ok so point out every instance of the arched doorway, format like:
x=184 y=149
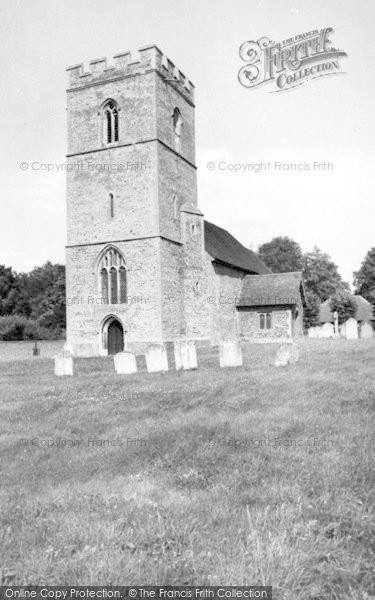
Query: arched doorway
x=115 y=337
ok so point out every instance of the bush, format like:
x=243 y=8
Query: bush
x=16 y=328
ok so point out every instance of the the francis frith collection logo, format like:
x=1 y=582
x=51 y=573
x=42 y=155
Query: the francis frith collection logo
x=289 y=63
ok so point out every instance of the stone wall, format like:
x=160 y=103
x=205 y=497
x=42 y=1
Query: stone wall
x=249 y=324
x=225 y=287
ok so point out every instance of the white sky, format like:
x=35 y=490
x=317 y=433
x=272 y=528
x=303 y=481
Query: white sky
x=331 y=119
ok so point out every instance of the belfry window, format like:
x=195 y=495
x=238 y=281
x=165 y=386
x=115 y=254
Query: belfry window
x=177 y=126
x=112 y=278
x=110 y=122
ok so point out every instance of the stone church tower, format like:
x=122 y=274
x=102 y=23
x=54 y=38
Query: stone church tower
x=135 y=250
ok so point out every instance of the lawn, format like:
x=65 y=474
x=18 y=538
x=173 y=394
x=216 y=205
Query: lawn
x=245 y=476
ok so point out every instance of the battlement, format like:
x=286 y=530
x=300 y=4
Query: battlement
x=149 y=58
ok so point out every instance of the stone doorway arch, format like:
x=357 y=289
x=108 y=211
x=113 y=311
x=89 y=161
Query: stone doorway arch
x=112 y=336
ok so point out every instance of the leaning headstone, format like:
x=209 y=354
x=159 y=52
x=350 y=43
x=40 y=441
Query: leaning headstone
x=366 y=330
x=185 y=355
x=327 y=331
x=230 y=354
x=63 y=363
x=351 y=329
x=156 y=358
x=125 y=363
x=287 y=354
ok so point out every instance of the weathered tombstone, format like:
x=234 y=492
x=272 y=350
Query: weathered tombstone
x=313 y=332
x=230 y=354
x=185 y=355
x=287 y=354
x=63 y=363
x=327 y=330
x=342 y=330
x=125 y=363
x=366 y=330
x=351 y=329
x=156 y=358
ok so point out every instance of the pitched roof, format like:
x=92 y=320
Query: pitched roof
x=223 y=247
x=363 y=312
x=271 y=289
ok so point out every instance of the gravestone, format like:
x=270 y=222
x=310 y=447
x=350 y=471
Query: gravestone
x=185 y=355
x=287 y=354
x=63 y=363
x=327 y=331
x=342 y=330
x=156 y=358
x=125 y=363
x=230 y=354
x=314 y=332
x=366 y=330
x=351 y=329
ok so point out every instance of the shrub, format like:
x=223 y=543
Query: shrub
x=16 y=328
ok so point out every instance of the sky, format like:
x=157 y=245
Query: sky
x=329 y=120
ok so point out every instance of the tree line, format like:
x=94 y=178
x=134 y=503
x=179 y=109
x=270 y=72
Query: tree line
x=32 y=305
x=321 y=277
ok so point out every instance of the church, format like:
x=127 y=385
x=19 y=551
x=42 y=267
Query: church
x=142 y=264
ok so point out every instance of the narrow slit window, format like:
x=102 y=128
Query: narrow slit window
x=111 y=206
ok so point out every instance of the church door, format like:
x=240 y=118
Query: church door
x=115 y=337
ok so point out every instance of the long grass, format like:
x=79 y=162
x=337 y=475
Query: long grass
x=256 y=475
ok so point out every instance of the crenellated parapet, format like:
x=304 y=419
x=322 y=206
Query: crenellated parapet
x=125 y=64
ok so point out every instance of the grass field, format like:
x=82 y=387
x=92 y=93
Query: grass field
x=249 y=476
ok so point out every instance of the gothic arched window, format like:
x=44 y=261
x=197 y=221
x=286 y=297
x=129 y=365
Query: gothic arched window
x=112 y=277
x=110 y=122
x=177 y=125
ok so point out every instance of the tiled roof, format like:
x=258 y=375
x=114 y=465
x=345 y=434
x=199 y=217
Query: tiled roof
x=272 y=289
x=223 y=247
x=363 y=313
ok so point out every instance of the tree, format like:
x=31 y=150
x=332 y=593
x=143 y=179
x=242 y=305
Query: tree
x=344 y=304
x=311 y=310
x=321 y=276
x=8 y=291
x=281 y=255
x=46 y=290
x=37 y=298
x=364 y=279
